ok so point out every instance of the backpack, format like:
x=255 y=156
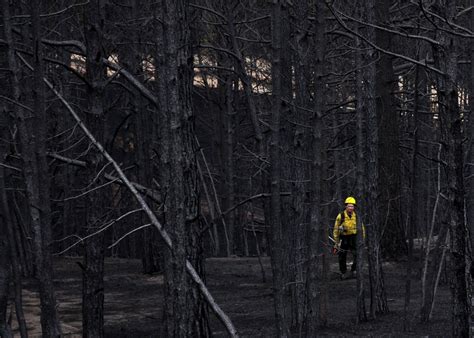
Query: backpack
x=343 y=217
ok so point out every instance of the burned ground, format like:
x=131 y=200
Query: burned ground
x=133 y=301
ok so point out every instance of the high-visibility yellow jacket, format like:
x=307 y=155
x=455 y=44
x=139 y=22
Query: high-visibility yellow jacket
x=349 y=226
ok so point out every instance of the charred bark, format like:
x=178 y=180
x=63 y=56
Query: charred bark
x=373 y=224
x=316 y=231
x=94 y=250
x=392 y=241
x=452 y=148
x=183 y=313
x=275 y=177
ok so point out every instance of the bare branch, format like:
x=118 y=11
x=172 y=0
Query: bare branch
x=393 y=31
x=16 y=103
x=127 y=234
x=53 y=13
x=373 y=45
x=102 y=229
x=152 y=194
x=11 y=167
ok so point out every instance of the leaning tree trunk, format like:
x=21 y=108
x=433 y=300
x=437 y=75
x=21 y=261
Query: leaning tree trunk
x=93 y=274
x=32 y=137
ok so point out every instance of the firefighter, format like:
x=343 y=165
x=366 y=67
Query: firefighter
x=345 y=237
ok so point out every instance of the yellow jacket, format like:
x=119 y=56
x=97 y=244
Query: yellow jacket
x=349 y=226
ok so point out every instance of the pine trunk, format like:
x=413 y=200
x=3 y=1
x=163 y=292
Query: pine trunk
x=277 y=240
x=93 y=274
x=373 y=224
x=315 y=233
x=392 y=241
x=183 y=309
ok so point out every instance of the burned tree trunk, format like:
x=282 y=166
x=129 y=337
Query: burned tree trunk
x=450 y=117
x=373 y=223
x=470 y=151
x=392 y=241
x=277 y=239
x=315 y=227
x=144 y=135
x=412 y=216
x=360 y=167
x=93 y=274
x=298 y=143
x=4 y=266
x=183 y=311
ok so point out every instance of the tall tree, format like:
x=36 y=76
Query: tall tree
x=361 y=118
x=373 y=223
x=316 y=231
x=183 y=314
x=275 y=175
x=470 y=146
x=392 y=240
x=298 y=143
x=446 y=58
x=93 y=274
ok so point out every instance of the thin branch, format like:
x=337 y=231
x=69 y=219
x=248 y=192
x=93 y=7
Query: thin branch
x=152 y=194
x=68 y=160
x=66 y=43
x=133 y=80
x=53 y=13
x=373 y=45
x=127 y=234
x=102 y=229
x=264 y=194
x=11 y=167
x=85 y=192
x=210 y=10
x=16 y=103
x=425 y=11
x=465 y=11
x=393 y=31
x=220 y=49
x=252 y=20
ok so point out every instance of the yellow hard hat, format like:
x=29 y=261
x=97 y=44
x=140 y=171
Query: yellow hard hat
x=350 y=200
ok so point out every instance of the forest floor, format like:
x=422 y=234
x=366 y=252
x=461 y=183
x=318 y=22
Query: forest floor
x=133 y=301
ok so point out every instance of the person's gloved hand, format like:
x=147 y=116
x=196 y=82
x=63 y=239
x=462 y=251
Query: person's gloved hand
x=335 y=248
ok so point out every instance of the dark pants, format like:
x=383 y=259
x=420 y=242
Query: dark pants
x=348 y=243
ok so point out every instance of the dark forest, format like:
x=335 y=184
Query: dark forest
x=204 y=168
